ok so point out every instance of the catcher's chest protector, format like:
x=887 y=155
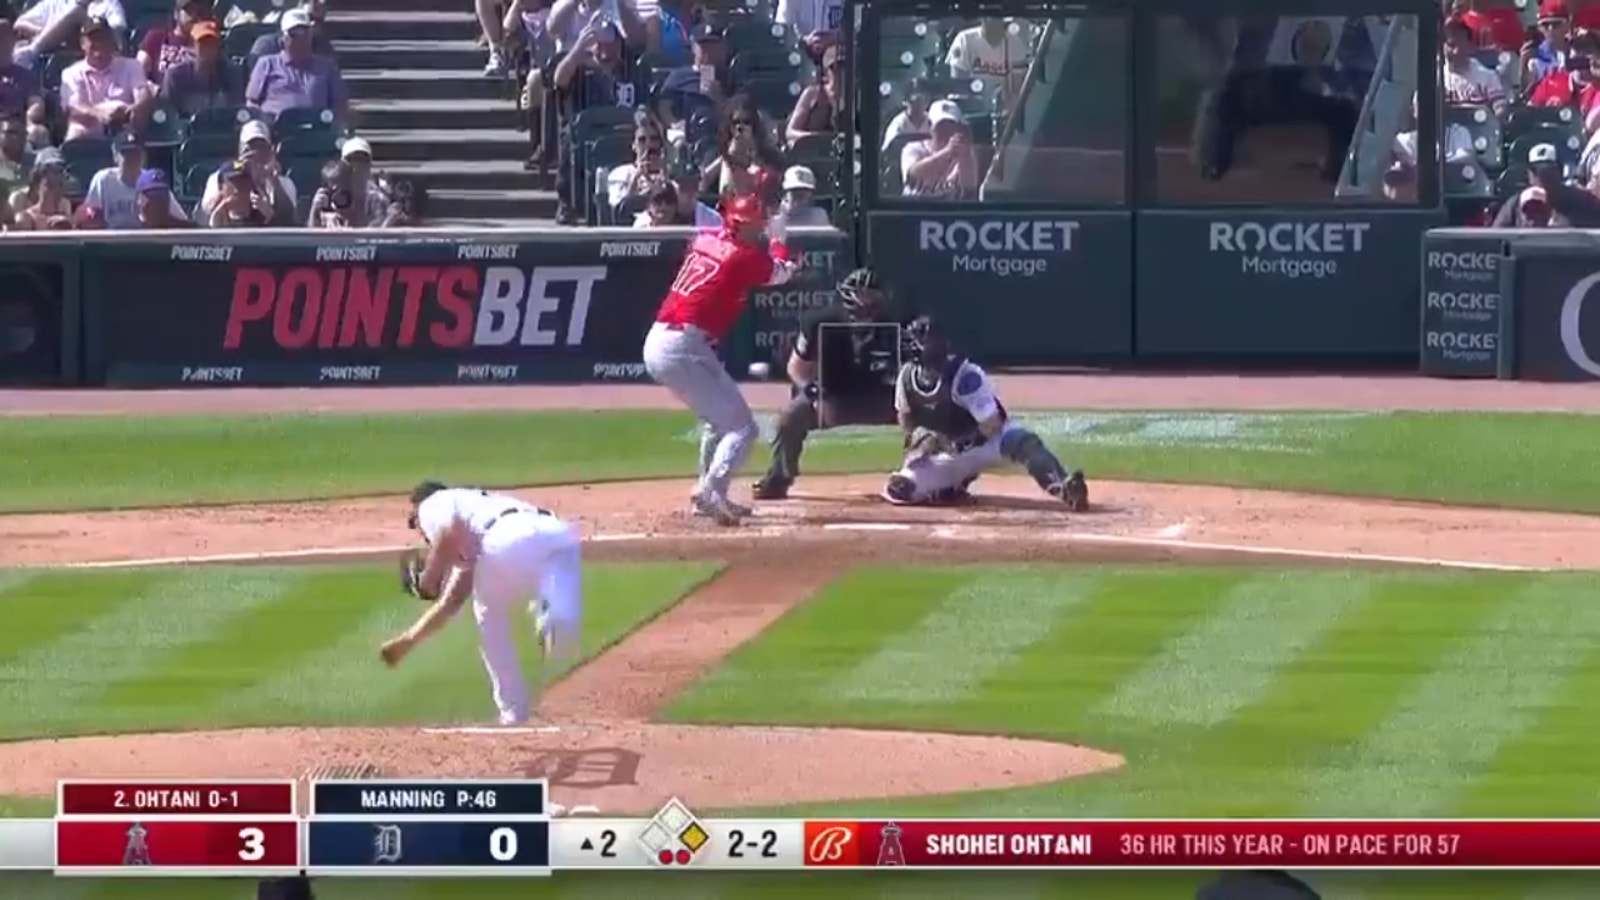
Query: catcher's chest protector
x=934 y=406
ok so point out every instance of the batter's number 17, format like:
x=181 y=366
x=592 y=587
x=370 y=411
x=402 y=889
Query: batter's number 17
x=696 y=271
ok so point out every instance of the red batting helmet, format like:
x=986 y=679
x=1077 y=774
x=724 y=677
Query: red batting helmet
x=744 y=208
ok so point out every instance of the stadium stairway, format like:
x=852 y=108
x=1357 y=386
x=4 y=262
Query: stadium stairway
x=415 y=75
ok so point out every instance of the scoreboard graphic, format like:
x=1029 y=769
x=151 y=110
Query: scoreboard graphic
x=422 y=828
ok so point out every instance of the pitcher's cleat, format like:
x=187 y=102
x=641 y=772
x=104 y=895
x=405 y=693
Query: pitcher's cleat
x=719 y=509
x=1074 y=492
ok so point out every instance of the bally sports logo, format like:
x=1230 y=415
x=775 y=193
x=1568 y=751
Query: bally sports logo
x=833 y=844
x=403 y=306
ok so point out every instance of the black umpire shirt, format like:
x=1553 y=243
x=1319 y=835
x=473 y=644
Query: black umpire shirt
x=852 y=360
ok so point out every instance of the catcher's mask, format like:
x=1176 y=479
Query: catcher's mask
x=922 y=343
x=861 y=294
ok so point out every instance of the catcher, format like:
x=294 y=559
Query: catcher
x=503 y=552
x=956 y=428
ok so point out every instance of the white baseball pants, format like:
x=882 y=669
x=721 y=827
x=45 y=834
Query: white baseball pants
x=684 y=361
x=531 y=561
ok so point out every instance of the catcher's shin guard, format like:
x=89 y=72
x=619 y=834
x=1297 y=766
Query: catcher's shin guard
x=1024 y=447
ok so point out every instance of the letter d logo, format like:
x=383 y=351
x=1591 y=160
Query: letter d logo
x=832 y=844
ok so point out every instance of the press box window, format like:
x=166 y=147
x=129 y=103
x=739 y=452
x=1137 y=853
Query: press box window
x=1291 y=109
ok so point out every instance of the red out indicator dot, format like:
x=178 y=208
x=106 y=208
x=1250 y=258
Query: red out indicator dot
x=683 y=857
x=666 y=857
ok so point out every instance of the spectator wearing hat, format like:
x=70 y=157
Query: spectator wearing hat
x=799 y=205
x=258 y=159
x=207 y=79
x=154 y=203
x=368 y=199
x=20 y=93
x=701 y=86
x=44 y=205
x=272 y=42
x=297 y=77
x=1575 y=85
x=113 y=195
x=676 y=203
x=104 y=92
x=944 y=165
x=1463 y=78
x=820 y=107
x=593 y=73
x=166 y=45
x=1549 y=54
x=239 y=203
x=913 y=115
x=49 y=25
x=1568 y=205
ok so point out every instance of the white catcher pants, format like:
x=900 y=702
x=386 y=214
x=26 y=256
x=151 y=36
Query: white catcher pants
x=942 y=471
x=532 y=561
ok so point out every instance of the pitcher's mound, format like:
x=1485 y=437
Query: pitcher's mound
x=620 y=768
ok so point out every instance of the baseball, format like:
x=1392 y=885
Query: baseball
x=760 y=370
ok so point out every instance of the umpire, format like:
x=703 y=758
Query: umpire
x=841 y=375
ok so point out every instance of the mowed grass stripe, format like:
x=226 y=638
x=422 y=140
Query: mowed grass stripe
x=57 y=683
x=801 y=655
x=312 y=609
x=1085 y=654
x=41 y=606
x=1335 y=691
x=1232 y=655
x=972 y=632
x=1449 y=730
x=1534 y=773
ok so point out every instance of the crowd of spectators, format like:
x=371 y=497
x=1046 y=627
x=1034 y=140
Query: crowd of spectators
x=1520 y=133
x=652 y=112
x=115 y=115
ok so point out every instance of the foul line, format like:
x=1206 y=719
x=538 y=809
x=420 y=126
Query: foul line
x=947 y=532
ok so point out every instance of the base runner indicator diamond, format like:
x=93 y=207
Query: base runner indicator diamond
x=694 y=837
x=674 y=817
x=655 y=838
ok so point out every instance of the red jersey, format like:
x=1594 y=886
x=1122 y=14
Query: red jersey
x=1556 y=89
x=717 y=275
x=1499 y=27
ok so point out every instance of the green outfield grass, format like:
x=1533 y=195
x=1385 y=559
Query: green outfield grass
x=1534 y=461
x=178 y=648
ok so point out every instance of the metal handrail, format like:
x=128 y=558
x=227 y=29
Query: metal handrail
x=1014 y=122
x=1366 y=121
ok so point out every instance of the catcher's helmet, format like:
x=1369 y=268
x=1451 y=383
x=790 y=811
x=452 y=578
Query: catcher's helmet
x=860 y=293
x=922 y=343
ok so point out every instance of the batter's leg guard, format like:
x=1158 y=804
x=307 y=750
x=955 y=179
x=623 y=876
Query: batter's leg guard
x=798 y=419
x=900 y=489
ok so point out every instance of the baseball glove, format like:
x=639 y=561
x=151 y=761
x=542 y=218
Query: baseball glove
x=412 y=563
x=925 y=442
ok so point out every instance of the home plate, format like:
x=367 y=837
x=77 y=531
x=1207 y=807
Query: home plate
x=495 y=729
x=866 y=526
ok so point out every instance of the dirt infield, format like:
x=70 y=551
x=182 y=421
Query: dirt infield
x=598 y=739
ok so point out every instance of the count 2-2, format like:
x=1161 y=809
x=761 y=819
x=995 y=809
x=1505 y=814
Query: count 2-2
x=766 y=844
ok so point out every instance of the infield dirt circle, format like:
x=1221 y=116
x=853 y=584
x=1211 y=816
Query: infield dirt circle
x=598 y=740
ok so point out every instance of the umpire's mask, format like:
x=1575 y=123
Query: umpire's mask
x=861 y=295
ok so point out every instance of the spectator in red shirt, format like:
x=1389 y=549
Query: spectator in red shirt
x=167 y=45
x=1577 y=84
x=1495 y=24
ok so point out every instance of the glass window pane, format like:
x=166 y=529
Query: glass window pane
x=1282 y=109
x=1004 y=110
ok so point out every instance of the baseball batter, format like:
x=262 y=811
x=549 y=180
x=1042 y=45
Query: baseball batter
x=680 y=352
x=505 y=553
x=956 y=428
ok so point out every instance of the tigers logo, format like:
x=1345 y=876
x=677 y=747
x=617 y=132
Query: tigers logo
x=828 y=843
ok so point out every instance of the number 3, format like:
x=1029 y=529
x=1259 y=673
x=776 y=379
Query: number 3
x=255 y=844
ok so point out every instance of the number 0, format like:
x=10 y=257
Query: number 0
x=255 y=844
x=503 y=844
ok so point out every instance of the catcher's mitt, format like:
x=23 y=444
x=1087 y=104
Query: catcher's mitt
x=925 y=442
x=412 y=563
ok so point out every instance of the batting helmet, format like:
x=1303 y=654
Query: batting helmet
x=744 y=209
x=860 y=292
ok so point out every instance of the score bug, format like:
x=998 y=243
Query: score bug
x=763 y=844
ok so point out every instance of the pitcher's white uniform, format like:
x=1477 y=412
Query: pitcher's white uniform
x=523 y=555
